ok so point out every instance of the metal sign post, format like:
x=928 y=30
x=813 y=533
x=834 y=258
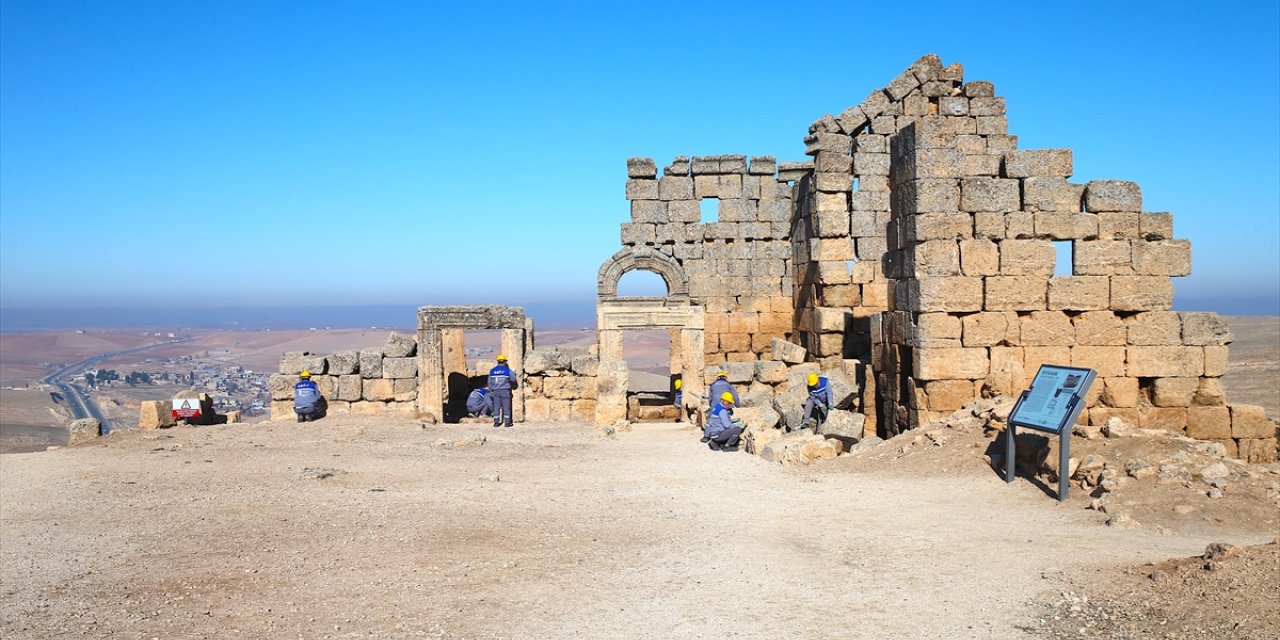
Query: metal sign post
x=1052 y=404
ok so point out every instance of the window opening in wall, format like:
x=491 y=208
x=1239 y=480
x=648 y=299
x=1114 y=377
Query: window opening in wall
x=643 y=283
x=1063 y=265
x=710 y=209
x=648 y=356
x=855 y=183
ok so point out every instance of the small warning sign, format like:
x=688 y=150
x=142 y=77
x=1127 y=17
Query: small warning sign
x=186 y=408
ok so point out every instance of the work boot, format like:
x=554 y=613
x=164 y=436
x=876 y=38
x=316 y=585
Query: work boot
x=301 y=419
x=704 y=440
x=713 y=445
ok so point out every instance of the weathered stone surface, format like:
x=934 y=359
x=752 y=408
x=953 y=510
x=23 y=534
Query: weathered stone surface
x=799 y=448
x=1079 y=293
x=755 y=439
x=843 y=425
x=1164 y=361
x=1047 y=328
x=350 y=388
x=1208 y=423
x=1250 y=421
x=1257 y=450
x=1122 y=392
x=1204 y=328
x=757 y=418
x=641 y=168
x=154 y=414
x=1162 y=258
x=1112 y=195
x=1141 y=293
x=344 y=362
x=1154 y=328
x=83 y=430
x=1174 y=392
x=1049 y=163
x=378 y=390
x=291 y=362
x=944 y=364
x=1016 y=293
x=788 y=352
x=281 y=386
x=371 y=363
x=399 y=345
x=1027 y=257
x=316 y=364
x=399 y=367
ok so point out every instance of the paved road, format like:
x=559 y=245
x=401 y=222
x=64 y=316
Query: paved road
x=78 y=398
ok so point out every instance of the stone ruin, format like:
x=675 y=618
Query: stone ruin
x=912 y=258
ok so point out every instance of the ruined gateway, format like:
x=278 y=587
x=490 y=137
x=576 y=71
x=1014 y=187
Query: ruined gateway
x=912 y=258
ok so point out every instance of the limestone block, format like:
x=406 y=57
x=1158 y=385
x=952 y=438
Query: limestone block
x=611 y=392
x=537 y=409
x=758 y=418
x=1162 y=258
x=1141 y=293
x=763 y=166
x=1079 y=293
x=799 y=449
x=850 y=296
x=942 y=294
x=832 y=181
x=1107 y=361
x=316 y=364
x=1171 y=419
x=770 y=371
x=569 y=387
x=643 y=189
x=1049 y=163
x=349 y=388
x=1102 y=258
x=990 y=328
x=1118 y=225
x=399 y=367
x=371 y=363
x=1154 y=328
x=929 y=195
x=282 y=410
x=934 y=258
x=1122 y=392
x=979 y=257
x=1154 y=225
x=1164 y=361
x=987 y=106
x=950 y=364
x=705 y=165
x=1008 y=374
x=405 y=390
x=1056 y=225
x=634 y=233
x=1209 y=393
x=83 y=430
x=1027 y=257
x=822 y=141
x=1020 y=225
x=327 y=385
x=1015 y=293
x=649 y=211
x=1209 y=423
x=1205 y=328
x=932 y=328
x=582 y=410
x=281 y=386
x=989 y=194
x=949 y=395
x=1257 y=450
x=686 y=211
x=845 y=426
x=1215 y=361
x=992 y=125
x=641 y=168
x=788 y=352
x=982 y=164
x=1174 y=392
x=1099 y=328
x=1047 y=328
x=938 y=226
x=927 y=68
x=343 y=362
x=936 y=163
x=1112 y=195
x=378 y=390
x=1034 y=357
x=1250 y=421
x=154 y=414
x=399 y=345
x=755 y=439
x=678 y=167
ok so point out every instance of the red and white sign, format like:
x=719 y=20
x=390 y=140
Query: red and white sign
x=186 y=408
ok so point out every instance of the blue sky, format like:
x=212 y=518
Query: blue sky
x=252 y=153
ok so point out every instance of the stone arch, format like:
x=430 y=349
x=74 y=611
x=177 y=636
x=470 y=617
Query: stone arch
x=631 y=258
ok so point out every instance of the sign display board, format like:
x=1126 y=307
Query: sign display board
x=1052 y=404
x=186 y=408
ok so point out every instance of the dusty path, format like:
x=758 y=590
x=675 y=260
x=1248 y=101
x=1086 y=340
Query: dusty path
x=218 y=532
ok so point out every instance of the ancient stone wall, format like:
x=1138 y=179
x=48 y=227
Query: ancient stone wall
x=372 y=381
x=561 y=384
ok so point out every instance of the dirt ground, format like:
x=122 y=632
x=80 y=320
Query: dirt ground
x=364 y=527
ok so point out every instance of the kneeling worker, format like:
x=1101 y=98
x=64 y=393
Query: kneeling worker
x=819 y=403
x=480 y=403
x=306 y=398
x=723 y=430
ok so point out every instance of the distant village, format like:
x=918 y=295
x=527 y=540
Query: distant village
x=232 y=387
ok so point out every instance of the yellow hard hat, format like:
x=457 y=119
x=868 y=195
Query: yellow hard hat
x=679 y=383
x=726 y=396
x=501 y=358
x=305 y=373
x=721 y=374
x=813 y=379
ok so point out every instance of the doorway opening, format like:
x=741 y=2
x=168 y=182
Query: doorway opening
x=467 y=361
x=650 y=386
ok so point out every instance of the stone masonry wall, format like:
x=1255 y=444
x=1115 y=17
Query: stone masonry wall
x=372 y=381
x=560 y=383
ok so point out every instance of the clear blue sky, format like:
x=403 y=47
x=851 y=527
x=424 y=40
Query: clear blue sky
x=445 y=152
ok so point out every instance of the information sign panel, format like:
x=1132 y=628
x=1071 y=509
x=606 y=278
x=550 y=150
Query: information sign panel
x=1054 y=393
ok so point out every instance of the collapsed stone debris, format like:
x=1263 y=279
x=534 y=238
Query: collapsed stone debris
x=912 y=258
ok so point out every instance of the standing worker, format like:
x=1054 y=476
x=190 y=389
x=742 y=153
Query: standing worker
x=306 y=398
x=723 y=430
x=501 y=381
x=818 y=405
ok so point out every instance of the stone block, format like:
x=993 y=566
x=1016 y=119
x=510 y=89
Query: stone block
x=1099 y=416
x=1027 y=257
x=378 y=390
x=646 y=189
x=935 y=329
x=1164 y=361
x=399 y=345
x=649 y=211
x=800 y=449
x=1174 y=392
x=988 y=329
x=1155 y=225
x=1100 y=328
x=982 y=164
x=1250 y=421
x=405 y=390
x=1053 y=194
x=845 y=426
x=949 y=395
x=316 y=364
x=1016 y=293
x=1079 y=293
x=1034 y=357
x=1141 y=293
x=641 y=168
x=344 y=362
x=281 y=386
x=833 y=142
x=942 y=294
x=1047 y=328
x=154 y=414
x=1205 y=328
x=349 y=388
x=934 y=258
x=83 y=430
x=678 y=167
x=1215 y=361
x=1102 y=258
x=1171 y=419
x=291 y=362
x=788 y=352
x=1038 y=163
x=1019 y=225
x=1208 y=423
x=399 y=367
x=1154 y=328
x=1118 y=225
x=1162 y=258
x=1055 y=225
x=979 y=257
x=992 y=125
x=1112 y=195
x=1122 y=392
x=636 y=233
x=949 y=364
x=1107 y=361
x=371 y=362
x=1209 y=393
x=989 y=194
x=1257 y=450
x=953 y=106
x=987 y=107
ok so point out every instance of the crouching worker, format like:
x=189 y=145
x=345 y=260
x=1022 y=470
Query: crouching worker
x=723 y=430
x=819 y=403
x=306 y=398
x=480 y=403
